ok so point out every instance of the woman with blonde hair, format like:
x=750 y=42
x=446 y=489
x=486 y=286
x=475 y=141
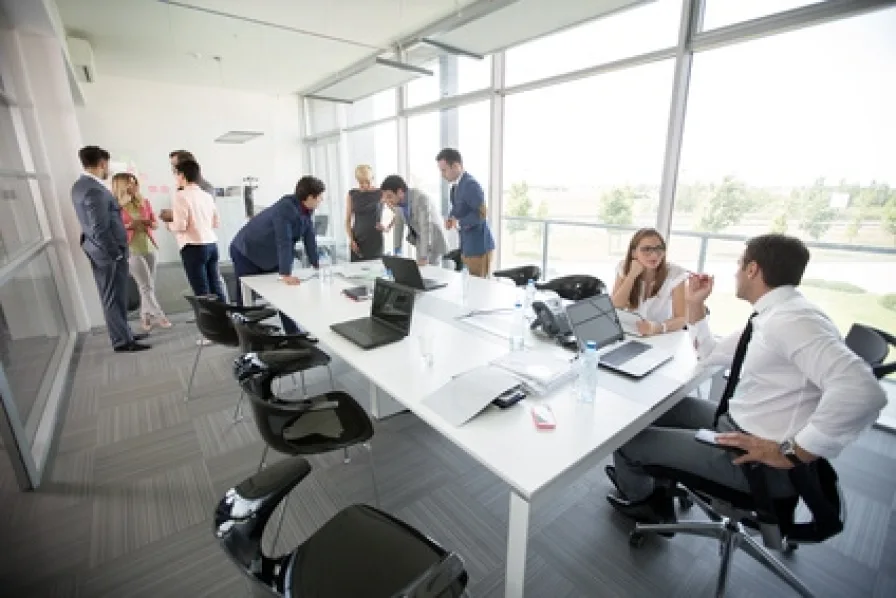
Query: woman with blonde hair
x=647 y=284
x=139 y=222
x=363 y=212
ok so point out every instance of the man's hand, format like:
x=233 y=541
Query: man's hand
x=759 y=450
x=450 y=223
x=291 y=280
x=699 y=288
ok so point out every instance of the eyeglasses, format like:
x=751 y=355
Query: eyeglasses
x=657 y=249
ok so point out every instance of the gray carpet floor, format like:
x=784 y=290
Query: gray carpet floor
x=126 y=507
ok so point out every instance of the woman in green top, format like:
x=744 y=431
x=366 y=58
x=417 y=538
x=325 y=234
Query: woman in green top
x=139 y=221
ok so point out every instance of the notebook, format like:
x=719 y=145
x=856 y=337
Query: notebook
x=541 y=372
x=466 y=395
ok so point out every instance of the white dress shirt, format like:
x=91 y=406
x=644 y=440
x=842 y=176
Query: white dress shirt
x=799 y=380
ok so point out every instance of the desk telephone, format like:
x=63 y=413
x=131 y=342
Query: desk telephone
x=550 y=316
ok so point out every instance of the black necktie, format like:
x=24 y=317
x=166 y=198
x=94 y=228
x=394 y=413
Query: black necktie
x=451 y=193
x=736 y=366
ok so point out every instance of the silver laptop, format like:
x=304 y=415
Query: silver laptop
x=595 y=319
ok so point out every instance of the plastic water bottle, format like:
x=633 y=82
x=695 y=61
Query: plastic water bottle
x=326 y=271
x=530 y=294
x=586 y=384
x=518 y=330
x=465 y=283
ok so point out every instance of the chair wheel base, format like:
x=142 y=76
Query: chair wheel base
x=636 y=539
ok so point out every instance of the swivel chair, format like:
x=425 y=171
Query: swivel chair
x=521 y=275
x=732 y=513
x=575 y=287
x=872 y=345
x=361 y=551
x=213 y=322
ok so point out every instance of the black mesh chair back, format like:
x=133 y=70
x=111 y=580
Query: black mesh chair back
x=361 y=551
x=213 y=320
x=521 y=275
x=575 y=287
x=254 y=336
x=454 y=256
x=873 y=346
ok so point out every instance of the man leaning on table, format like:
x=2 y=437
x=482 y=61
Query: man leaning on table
x=795 y=391
x=468 y=213
x=423 y=220
x=265 y=244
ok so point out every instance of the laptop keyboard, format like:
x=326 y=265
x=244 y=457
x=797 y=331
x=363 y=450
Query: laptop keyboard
x=625 y=353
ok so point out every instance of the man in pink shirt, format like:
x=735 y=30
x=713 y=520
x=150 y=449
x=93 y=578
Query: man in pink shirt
x=193 y=218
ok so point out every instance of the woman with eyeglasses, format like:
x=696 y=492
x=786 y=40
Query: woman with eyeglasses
x=139 y=222
x=650 y=286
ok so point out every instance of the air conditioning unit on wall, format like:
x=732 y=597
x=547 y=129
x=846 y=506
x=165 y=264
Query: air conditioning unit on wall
x=81 y=54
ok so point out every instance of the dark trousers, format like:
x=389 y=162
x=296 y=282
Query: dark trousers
x=243 y=266
x=201 y=266
x=112 y=283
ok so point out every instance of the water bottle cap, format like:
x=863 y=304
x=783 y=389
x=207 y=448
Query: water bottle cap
x=591 y=344
x=518 y=304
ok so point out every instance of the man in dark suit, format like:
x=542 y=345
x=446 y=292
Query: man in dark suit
x=105 y=242
x=468 y=213
x=265 y=244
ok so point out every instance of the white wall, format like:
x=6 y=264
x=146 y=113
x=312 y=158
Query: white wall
x=141 y=122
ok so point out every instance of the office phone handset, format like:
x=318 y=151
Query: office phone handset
x=550 y=317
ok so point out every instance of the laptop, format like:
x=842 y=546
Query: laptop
x=389 y=321
x=595 y=319
x=405 y=271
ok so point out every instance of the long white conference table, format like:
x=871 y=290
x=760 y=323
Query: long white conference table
x=535 y=464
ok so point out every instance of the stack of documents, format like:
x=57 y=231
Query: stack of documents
x=541 y=372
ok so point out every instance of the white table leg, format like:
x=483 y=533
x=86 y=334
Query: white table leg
x=248 y=296
x=517 y=539
x=374 y=403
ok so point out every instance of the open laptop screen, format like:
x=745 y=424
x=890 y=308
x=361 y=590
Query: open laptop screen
x=595 y=319
x=393 y=304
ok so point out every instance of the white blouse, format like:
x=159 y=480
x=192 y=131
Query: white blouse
x=659 y=307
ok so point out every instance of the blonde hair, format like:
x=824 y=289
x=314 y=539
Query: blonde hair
x=120 y=184
x=364 y=174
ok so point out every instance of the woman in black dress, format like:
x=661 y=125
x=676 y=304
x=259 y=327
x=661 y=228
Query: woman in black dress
x=363 y=212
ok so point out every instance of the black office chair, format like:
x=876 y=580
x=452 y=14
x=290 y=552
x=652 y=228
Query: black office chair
x=872 y=345
x=575 y=287
x=254 y=337
x=213 y=322
x=521 y=275
x=454 y=256
x=361 y=551
x=732 y=513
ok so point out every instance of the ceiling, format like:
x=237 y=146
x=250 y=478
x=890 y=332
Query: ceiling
x=176 y=43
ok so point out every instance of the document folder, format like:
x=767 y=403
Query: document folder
x=465 y=395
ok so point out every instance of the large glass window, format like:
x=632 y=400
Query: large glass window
x=19 y=226
x=452 y=75
x=589 y=151
x=323 y=116
x=719 y=13
x=32 y=333
x=375 y=146
x=379 y=105
x=789 y=134
x=652 y=26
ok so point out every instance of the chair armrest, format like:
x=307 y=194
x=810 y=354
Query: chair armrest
x=883 y=370
x=437 y=580
x=254 y=315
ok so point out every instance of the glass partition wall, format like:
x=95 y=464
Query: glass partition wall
x=37 y=336
x=711 y=120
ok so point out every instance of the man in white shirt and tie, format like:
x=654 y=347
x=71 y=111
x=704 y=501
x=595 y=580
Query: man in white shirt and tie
x=795 y=392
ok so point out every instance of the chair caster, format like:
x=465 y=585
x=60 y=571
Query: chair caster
x=636 y=539
x=685 y=503
x=788 y=547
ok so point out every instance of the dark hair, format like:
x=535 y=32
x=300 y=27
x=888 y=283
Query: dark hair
x=190 y=169
x=781 y=258
x=309 y=186
x=182 y=155
x=450 y=156
x=393 y=183
x=92 y=155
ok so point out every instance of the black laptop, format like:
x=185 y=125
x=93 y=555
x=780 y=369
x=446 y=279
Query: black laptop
x=405 y=271
x=389 y=321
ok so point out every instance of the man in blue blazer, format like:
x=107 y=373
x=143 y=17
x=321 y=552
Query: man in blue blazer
x=265 y=244
x=105 y=242
x=468 y=213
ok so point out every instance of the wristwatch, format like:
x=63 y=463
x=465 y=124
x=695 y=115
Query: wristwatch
x=788 y=449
